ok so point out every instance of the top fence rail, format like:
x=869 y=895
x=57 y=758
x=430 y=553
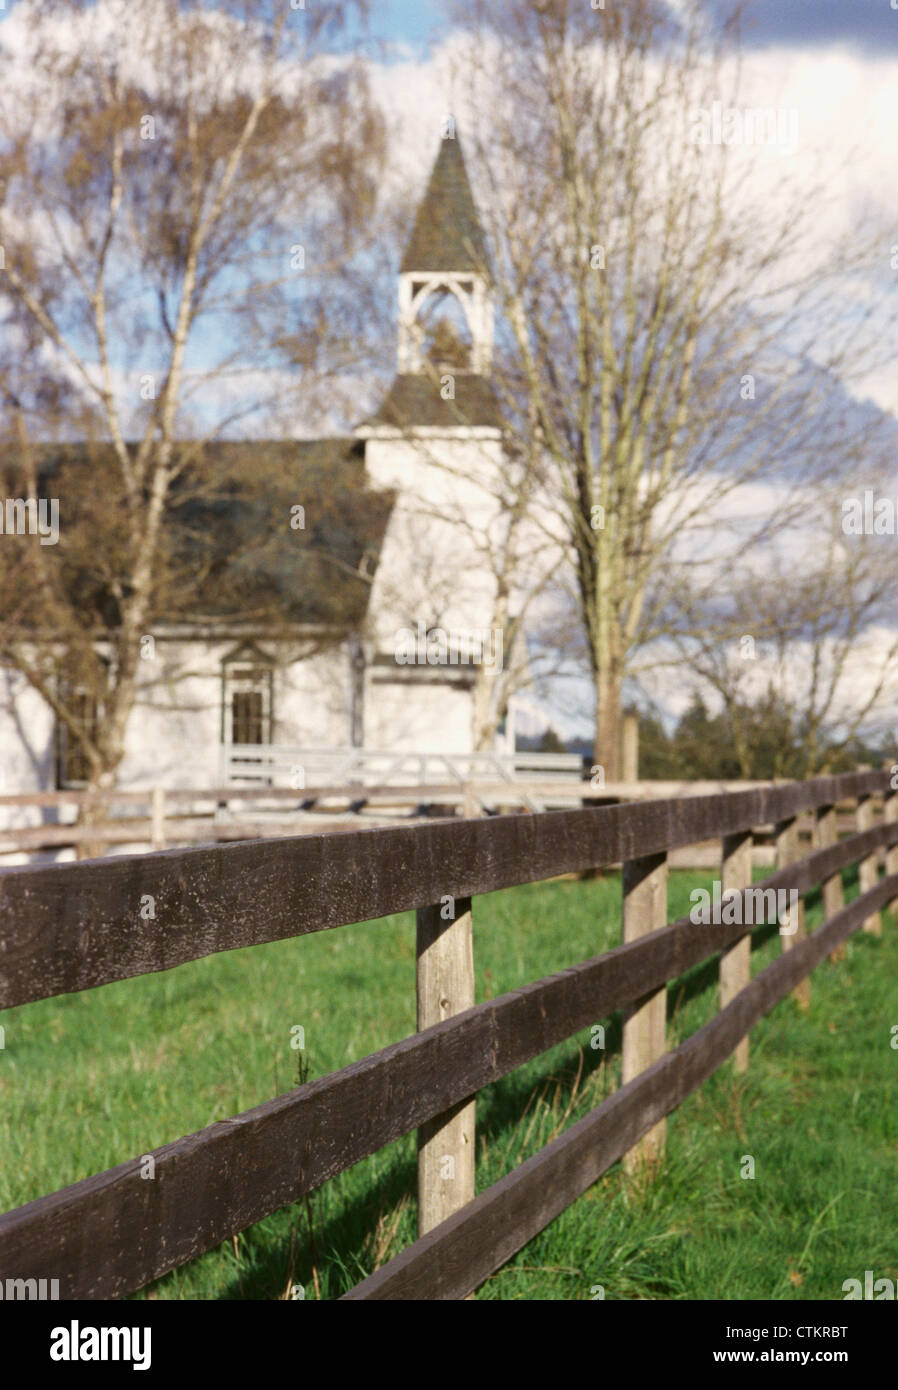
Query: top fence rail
x=70 y=927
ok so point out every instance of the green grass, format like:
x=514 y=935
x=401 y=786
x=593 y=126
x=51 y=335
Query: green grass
x=89 y=1080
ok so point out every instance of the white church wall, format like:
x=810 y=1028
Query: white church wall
x=433 y=565
x=27 y=748
x=312 y=702
x=174 y=735
x=174 y=731
x=417 y=717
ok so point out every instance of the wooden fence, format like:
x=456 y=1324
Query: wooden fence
x=160 y=818
x=71 y=927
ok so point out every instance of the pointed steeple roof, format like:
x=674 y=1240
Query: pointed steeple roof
x=447 y=234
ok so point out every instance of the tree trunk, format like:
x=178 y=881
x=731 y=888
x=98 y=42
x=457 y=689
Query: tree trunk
x=484 y=715
x=91 y=812
x=607 y=747
x=94 y=811
x=488 y=693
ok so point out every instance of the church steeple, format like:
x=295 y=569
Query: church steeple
x=445 y=264
x=445 y=316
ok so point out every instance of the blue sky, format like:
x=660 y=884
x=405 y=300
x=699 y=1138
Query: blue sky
x=868 y=25
x=408 y=22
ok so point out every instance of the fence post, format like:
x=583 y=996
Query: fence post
x=644 y=1023
x=158 y=818
x=445 y=986
x=735 y=962
x=868 y=869
x=787 y=852
x=890 y=815
x=833 y=895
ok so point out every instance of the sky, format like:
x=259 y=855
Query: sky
x=869 y=26
x=409 y=22
x=832 y=65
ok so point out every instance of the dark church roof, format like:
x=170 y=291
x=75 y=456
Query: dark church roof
x=415 y=400
x=447 y=234
x=230 y=524
x=320 y=574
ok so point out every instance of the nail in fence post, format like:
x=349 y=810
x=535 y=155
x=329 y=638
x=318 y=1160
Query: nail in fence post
x=833 y=895
x=868 y=869
x=788 y=852
x=735 y=963
x=445 y=981
x=645 y=1023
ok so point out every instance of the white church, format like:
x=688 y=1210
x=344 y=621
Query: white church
x=417 y=667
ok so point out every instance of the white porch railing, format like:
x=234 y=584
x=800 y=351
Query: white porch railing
x=277 y=765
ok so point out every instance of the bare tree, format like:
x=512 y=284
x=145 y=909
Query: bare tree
x=183 y=196
x=811 y=646
x=674 y=328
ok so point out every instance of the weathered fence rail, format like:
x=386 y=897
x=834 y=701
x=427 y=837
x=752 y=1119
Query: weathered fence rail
x=160 y=818
x=75 y=926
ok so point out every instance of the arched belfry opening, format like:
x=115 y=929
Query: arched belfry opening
x=443 y=326
x=445 y=305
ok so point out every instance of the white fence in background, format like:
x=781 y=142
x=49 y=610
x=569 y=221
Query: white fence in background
x=275 y=765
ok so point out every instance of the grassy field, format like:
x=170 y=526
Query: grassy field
x=89 y=1080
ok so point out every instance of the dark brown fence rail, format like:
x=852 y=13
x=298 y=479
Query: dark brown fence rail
x=72 y=927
